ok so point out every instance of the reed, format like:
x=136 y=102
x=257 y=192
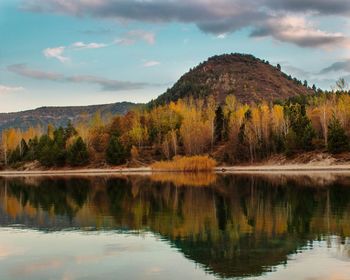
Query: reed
x=186 y=164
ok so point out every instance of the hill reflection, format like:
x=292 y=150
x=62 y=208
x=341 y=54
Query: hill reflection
x=232 y=225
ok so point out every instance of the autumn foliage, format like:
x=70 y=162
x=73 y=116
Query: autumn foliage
x=187 y=130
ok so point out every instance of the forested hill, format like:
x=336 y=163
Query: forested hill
x=245 y=76
x=59 y=116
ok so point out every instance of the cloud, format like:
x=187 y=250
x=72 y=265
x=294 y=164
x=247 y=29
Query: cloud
x=296 y=30
x=97 y=31
x=8 y=89
x=337 y=66
x=321 y=7
x=222 y=36
x=131 y=37
x=105 y=84
x=25 y=71
x=82 y=45
x=56 y=53
x=215 y=17
x=151 y=63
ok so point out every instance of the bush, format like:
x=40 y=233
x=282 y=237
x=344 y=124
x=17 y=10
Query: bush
x=77 y=153
x=194 y=164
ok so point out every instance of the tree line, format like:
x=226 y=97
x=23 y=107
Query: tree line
x=231 y=132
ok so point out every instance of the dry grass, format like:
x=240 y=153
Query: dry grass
x=186 y=164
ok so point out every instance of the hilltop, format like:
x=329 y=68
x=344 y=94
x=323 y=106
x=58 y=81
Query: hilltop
x=248 y=78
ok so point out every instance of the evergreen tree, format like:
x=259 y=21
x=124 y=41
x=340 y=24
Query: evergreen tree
x=338 y=141
x=45 y=152
x=219 y=124
x=291 y=143
x=69 y=131
x=59 y=147
x=301 y=126
x=77 y=153
x=116 y=154
x=33 y=145
x=23 y=149
x=15 y=156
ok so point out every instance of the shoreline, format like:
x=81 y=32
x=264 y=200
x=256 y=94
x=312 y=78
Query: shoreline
x=256 y=169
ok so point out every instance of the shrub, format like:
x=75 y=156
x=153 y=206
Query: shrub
x=193 y=163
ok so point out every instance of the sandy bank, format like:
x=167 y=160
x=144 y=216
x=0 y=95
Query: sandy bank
x=284 y=168
x=291 y=168
x=63 y=172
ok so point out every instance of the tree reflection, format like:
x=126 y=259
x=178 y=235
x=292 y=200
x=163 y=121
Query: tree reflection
x=232 y=225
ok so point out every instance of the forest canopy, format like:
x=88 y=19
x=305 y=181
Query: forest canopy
x=230 y=132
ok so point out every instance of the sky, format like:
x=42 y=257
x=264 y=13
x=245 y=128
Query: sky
x=82 y=52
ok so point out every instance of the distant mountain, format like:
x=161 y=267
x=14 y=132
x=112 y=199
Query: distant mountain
x=59 y=116
x=245 y=76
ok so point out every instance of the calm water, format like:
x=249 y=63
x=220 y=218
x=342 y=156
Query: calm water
x=176 y=227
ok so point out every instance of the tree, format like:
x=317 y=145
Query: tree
x=32 y=149
x=15 y=156
x=195 y=131
x=341 y=84
x=5 y=145
x=116 y=154
x=59 y=147
x=69 y=131
x=219 y=124
x=291 y=143
x=45 y=151
x=77 y=153
x=210 y=117
x=301 y=125
x=23 y=148
x=279 y=67
x=338 y=141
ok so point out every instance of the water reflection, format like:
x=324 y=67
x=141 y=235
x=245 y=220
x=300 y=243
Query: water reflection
x=233 y=226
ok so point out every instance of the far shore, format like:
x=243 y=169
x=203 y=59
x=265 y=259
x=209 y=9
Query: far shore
x=257 y=169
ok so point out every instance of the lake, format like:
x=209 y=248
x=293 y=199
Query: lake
x=174 y=226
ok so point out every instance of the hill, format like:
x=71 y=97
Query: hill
x=247 y=77
x=59 y=116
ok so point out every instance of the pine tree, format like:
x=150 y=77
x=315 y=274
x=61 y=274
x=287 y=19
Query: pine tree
x=290 y=143
x=219 y=124
x=33 y=145
x=116 y=154
x=45 y=151
x=338 y=141
x=77 y=153
x=301 y=126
